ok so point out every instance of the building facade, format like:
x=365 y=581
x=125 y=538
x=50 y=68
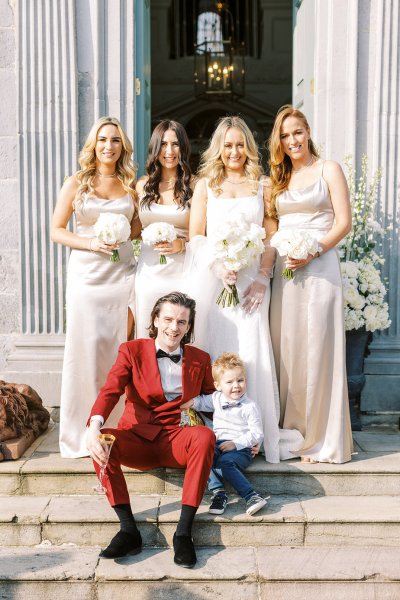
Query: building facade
x=64 y=63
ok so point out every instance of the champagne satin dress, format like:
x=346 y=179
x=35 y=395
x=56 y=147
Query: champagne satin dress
x=308 y=336
x=99 y=293
x=153 y=279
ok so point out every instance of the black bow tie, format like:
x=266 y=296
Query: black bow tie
x=231 y=405
x=174 y=357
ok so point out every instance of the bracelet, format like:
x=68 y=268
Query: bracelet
x=90 y=245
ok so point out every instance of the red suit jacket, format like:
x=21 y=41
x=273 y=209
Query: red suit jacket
x=136 y=373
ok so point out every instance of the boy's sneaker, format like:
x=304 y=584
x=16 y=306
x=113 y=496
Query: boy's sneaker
x=218 y=503
x=254 y=504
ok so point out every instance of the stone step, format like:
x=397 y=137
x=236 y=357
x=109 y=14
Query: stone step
x=286 y=521
x=243 y=573
x=374 y=470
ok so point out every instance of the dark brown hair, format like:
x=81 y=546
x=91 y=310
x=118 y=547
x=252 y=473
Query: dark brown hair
x=174 y=298
x=182 y=191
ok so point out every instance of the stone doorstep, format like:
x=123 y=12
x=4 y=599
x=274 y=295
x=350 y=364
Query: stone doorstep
x=274 y=564
x=368 y=474
x=321 y=521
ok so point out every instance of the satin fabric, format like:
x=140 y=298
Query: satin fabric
x=308 y=338
x=99 y=293
x=153 y=279
x=230 y=329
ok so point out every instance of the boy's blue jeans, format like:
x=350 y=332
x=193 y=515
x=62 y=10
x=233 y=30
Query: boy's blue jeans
x=229 y=466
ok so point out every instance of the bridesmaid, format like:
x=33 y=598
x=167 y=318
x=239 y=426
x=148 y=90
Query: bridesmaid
x=306 y=315
x=99 y=292
x=164 y=195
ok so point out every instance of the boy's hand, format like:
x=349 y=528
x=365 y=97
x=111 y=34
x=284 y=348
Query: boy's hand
x=188 y=404
x=255 y=450
x=227 y=446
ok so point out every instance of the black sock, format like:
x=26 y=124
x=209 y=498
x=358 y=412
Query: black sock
x=186 y=520
x=126 y=518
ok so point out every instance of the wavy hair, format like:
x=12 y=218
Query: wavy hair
x=179 y=299
x=211 y=165
x=125 y=167
x=182 y=190
x=279 y=162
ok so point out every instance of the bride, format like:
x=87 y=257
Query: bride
x=230 y=185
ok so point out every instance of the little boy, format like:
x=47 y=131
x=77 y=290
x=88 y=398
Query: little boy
x=237 y=427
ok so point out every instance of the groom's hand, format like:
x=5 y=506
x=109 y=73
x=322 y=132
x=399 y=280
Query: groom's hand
x=188 y=404
x=93 y=444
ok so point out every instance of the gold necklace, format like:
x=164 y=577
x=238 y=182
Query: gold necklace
x=236 y=182
x=295 y=171
x=101 y=174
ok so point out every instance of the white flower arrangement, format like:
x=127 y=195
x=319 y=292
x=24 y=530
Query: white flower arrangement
x=236 y=245
x=294 y=244
x=112 y=228
x=363 y=289
x=159 y=232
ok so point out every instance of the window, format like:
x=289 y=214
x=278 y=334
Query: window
x=192 y=20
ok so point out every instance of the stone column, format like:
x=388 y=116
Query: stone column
x=378 y=135
x=75 y=63
x=47 y=135
x=355 y=110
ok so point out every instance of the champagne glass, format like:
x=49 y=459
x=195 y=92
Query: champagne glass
x=107 y=440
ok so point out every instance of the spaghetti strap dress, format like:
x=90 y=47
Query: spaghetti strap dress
x=308 y=335
x=99 y=293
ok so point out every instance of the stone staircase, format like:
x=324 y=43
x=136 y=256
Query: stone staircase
x=330 y=532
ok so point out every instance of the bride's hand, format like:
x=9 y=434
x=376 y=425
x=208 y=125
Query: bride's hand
x=293 y=263
x=96 y=245
x=228 y=278
x=175 y=247
x=253 y=296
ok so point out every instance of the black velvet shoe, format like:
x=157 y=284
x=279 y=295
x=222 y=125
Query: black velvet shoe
x=185 y=555
x=122 y=544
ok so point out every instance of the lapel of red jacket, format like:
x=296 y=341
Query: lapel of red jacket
x=191 y=369
x=149 y=373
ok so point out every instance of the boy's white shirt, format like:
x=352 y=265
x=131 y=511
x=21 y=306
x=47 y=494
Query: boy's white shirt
x=240 y=424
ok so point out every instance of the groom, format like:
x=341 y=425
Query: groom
x=157 y=375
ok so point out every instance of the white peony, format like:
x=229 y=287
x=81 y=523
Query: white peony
x=159 y=232
x=112 y=228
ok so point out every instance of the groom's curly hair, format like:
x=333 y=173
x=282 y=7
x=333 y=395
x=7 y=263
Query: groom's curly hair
x=182 y=300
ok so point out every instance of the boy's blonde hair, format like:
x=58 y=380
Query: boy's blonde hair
x=227 y=360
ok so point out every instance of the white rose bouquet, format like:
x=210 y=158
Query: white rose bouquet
x=112 y=228
x=294 y=244
x=159 y=232
x=363 y=288
x=236 y=245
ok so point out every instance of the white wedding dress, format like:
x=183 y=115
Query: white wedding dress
x=230 y=329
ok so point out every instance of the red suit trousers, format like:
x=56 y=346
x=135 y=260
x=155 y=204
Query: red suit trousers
x=190 y=448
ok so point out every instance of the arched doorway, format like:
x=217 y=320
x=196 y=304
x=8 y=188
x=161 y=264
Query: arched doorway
x=268 y=70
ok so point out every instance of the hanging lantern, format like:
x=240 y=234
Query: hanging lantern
x=219 y=63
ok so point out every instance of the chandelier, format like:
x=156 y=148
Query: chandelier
x=219 y=62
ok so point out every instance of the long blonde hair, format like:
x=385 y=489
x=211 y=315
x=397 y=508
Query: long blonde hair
x=280 y=164
x=125 y=167
x=211 y=165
